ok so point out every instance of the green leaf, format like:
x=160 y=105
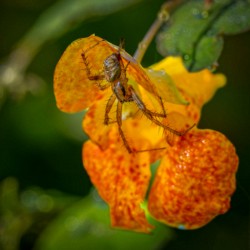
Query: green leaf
x=86 y=225
x=195 y=32
x=236 y=19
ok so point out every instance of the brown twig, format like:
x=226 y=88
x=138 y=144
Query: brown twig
x=162 y=17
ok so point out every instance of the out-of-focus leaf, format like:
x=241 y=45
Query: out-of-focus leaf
x=65 y=14
x=236 y=18
x=86 y=225
x=19 y=211
x=14 y=220
x=195 y=31
x=55 y=21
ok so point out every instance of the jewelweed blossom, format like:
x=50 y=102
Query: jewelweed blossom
x=196 y=175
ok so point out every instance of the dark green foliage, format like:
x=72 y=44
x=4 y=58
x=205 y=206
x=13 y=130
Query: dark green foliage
x=195 y=31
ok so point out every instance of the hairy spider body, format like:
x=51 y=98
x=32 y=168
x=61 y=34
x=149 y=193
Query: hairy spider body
x=112 y=68
x=114 y=72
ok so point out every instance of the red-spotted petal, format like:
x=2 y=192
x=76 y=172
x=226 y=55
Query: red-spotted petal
x=122 y=180
x=195 y=180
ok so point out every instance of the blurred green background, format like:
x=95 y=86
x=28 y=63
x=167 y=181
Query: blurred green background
x=46 y=198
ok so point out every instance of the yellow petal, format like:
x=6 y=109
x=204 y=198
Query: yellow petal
x=200 y=85
x=121 y=180
x=195 y=180
x=166 y=87
x=140 y=133
x=93 y=122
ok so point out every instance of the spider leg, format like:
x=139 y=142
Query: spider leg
x=122 y=43
x=143 y=108
x=125 y=68
x=108 y=108
x=91 y=47
x=163 y=109
x=119 y=122
x=150 y=115
x=130 y=88
x=91 y=77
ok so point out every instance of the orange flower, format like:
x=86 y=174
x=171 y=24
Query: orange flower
x=196 y=175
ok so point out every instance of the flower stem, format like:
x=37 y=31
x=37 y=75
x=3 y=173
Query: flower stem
x=162 y=17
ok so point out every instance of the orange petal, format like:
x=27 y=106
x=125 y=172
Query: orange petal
x=191 y=111
x=195 y=180
x=121 y=180
x=93 y=122
x=73 y=90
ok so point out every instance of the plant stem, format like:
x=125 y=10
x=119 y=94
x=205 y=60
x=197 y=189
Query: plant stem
x=162 y=17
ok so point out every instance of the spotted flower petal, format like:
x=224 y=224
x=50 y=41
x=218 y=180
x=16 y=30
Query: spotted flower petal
x=195 y=180
x=122 y=180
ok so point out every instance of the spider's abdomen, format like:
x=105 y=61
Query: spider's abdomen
x=121 y=93
x=112 y=68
